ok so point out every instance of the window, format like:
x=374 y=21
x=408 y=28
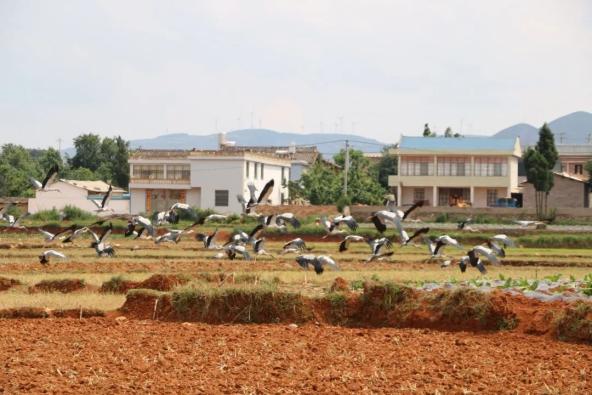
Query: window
x=283 y=176
x=148 y=172
x=454 y=166
x=418 y=194
x=262 y=166
x=491 y=197
x=221 y=198
x=417 y=166
x=579 y=169
x=491 y=167
x=178 y=172
x=248 y=164
x=256 y=169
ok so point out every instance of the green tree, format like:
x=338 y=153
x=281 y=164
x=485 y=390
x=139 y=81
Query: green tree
x=588 y=167
x=546 y=146
x=16 y=167
x=387 y=166
x=320 y=184
x=119 y=158
x=88 y=152
x=427 y=132
x=448 y=132
x=49 y=158
x=80 y=173
x=106 y=159
x=362 y=186
x=538 y=174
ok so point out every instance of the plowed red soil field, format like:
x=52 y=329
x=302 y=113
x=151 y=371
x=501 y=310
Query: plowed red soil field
x=102 y=355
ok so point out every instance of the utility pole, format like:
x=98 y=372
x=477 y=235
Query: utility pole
x=561 y=135
x=346 y=167
x=60 y=146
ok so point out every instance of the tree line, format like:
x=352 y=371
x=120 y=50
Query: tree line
x=323 y=182
x=96 y=158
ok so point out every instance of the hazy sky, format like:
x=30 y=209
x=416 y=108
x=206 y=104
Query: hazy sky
x=141 y=69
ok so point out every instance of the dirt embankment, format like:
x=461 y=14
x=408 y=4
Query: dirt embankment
x=157 y=282
x=380 y=305
x=7 y=283
x=63 y=286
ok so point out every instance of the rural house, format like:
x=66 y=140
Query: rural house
x=79 y=194
x=456 y=171
x=207 y=179
x=567 y=192
x=572 y=159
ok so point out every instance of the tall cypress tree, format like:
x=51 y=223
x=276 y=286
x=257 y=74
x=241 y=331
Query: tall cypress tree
x=546 y=146
x=539 y=163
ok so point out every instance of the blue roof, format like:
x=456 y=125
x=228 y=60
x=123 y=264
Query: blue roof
x=456 y=143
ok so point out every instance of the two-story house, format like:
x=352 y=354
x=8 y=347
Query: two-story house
x=208 y=179
x=445 y=171
x=573 y=158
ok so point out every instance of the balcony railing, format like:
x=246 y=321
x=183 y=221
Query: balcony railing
x=134 y=180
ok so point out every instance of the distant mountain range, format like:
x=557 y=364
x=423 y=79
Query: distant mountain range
x=327 y=143
x=574 y=128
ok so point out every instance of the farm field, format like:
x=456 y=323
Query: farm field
x=195 y=323
x=99 y=355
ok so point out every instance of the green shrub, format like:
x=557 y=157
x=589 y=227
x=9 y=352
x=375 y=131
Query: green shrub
x=574 y=323
x=46 y=216
x=466 y=304
x=357 y=284
x=72 y=213
x=442 y=217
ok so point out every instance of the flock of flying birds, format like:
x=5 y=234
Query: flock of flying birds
x=246 y=244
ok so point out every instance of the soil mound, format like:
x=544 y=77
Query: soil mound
x=162 y=282
x=340 y=285
x=118 y=285
x=145 y=304
x=237 y=305
x=78 y=313
x=575 y=323
x=7 y=283
x=24 y=312
x=63 y=286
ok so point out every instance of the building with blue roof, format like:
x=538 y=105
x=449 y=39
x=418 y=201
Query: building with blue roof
x=456 y=171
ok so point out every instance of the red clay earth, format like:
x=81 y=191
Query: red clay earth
x=7 y=283
x=63 y=286
x=101 y=355
x=161 y=282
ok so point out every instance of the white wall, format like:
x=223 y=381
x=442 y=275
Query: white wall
x=194 y=197
x=213 y=174
x=137 y=201
x=271 y=171
x=67 y=194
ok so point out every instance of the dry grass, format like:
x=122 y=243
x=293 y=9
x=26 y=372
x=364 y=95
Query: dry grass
x=94 y=279
x=57 y=300
x=137 y=260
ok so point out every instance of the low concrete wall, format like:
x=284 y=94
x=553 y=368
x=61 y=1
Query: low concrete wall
x=430 y=213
